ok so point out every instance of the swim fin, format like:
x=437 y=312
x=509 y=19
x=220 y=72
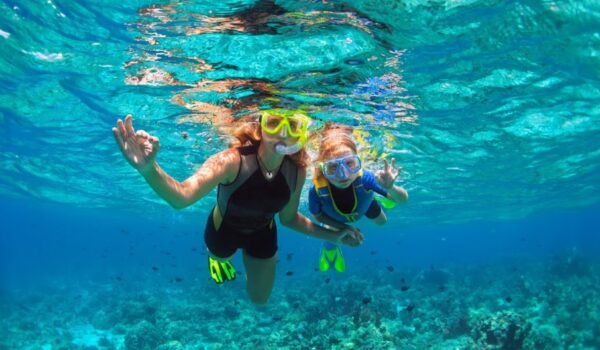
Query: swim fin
x=220 y=271
x=332 y=254
x=386 y=203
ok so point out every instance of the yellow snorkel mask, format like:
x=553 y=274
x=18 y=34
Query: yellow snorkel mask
x=286 y=123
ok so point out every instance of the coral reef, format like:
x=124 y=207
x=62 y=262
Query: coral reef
x=459 y=307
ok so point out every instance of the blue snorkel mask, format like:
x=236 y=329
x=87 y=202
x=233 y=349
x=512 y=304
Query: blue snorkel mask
x=341 y=168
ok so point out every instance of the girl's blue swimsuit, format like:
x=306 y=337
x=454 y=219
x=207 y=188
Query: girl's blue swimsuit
x=349 y=204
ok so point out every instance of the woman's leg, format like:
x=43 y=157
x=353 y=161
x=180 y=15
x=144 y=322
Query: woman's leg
x=260 y=277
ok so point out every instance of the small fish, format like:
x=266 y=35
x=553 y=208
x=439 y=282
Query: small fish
x=508 y=299
x=409 y=307
x=404 y=288
x=178 y=279
x=118 y=278
x=174 y=266
x=154 y=268
x=289 y=256
x=194 y=249
x=316 y=269
x=184 y=135
x=390 y=268
x=354 y=62
x=442 y=288
x=366 y=300
x=327 y=280
x=373 y=252
x=402 y=280
x=289 y=273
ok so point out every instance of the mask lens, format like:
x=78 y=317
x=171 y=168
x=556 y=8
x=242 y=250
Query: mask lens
x=352 y=163
x=330 y=168
x=296 y=125
x=272 y=122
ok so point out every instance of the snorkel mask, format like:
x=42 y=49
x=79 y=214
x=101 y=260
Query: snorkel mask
x=341 y=168
x=286 y=123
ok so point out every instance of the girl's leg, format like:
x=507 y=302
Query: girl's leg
x=380 y=219
x=260 y=277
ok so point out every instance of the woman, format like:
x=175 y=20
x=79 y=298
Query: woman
x=343 y=192
x=258 y=176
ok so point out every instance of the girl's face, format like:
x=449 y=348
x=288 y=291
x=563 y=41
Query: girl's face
x=344 y=178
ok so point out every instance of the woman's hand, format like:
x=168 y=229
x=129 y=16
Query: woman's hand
x=386 y=177
x=351 y=236
x=139 y=148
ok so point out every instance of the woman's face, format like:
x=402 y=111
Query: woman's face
x=344 y=178
x=271 y=140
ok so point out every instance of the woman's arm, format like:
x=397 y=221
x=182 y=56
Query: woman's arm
x=140 y=149
x=220 y=168
x=330 y=222
x=290 y=217
x=340 y=226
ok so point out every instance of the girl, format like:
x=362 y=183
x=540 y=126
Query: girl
x=342 y=190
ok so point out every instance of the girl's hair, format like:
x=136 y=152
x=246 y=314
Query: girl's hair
x=249 y=133
x=332 y=137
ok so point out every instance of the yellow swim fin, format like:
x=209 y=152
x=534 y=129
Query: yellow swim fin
x=332 y=255
x=220 y=271
x=323 y=263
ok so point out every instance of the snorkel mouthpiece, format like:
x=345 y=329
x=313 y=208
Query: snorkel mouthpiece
x=284 y=149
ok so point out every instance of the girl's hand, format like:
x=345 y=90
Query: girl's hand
x=386 y=177
x=139 y=148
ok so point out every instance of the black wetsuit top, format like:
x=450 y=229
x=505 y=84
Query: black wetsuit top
x=251 y=201
x=248 y=206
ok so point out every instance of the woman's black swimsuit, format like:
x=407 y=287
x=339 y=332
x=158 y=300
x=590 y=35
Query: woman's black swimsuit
x=248 y=206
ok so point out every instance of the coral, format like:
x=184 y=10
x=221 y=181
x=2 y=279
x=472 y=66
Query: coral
x=103 y=319
x=504 y=330
x=171 y=345
x=142 y=336
x=543 y=337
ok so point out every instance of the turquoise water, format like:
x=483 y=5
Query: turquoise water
x=490 y=107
